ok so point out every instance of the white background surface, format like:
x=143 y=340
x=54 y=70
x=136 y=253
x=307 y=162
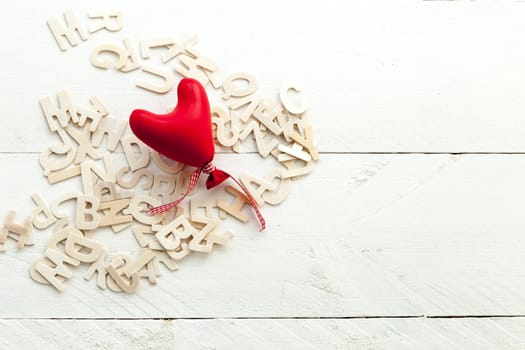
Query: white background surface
x=410 y=233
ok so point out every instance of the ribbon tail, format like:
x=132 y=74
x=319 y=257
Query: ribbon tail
x=165 y=207
x=251 y=200
x=216 y=176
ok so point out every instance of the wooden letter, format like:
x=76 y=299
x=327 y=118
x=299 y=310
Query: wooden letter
x=177 y=49
x=194 y=67
x=235 y=208
x=63 y=33
x=257 y=187
x=74 y=245
x=61 y=199
x=233 y=89
x=98 y=106
x=279 y=193
x=111 y=209
x=251 y=100
x=204 y=239
x=159 y=89
x=87 y=216
x=84 y=145
x=112 y=127
x=145 y=256
x=85 y=113
x=296 y=151
x=293 y=171
x=98 y=266
x=180 y=228
x=148 y=175
x=285 y=99
x=126 y=58
x=167 y=165
x=64 y=174
x=58 y=156
x=263 y=148
x=135 y=162
x=61 y=113
x=136 y=209
x=147 y=45
x=52 y=268
x=128 y=286
x=163 y=193
x=111 y=21
x=88 y=168
x=23 y=231
x=307 y=141
x=42 y=209
x=266 y=116
x=221 y=117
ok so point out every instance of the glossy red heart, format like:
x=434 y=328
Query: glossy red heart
x=185 y=134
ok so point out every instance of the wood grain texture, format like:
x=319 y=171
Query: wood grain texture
x=387 y=235
x=394 y=77
x=370 y=334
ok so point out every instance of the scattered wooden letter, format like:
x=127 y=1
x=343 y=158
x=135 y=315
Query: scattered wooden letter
x=180 y=228
x=87 y=217
x=194 y=65
x=221 y=117
x=81 y=137
x=77 y=245
x=88 y=168
x=137 y=175
x=113 y=128
x=127 y=59
x=235 y=208
x=295 y=151
x=110 y=20
x=98 y=266
x=177 y=49
x=159 y=89
x=167 y=165
x=63 y=112
x=204 y=239
x=233 y=88
x=127 y=285
x=286 y=101
x=129 y=144
x=52 y=269
x=144 y=257
x=111 y=210
x=136 y=209
x=22 y=233
x=62 y=33
x=42 y=217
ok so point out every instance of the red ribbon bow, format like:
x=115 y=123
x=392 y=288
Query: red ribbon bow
x=215 y=177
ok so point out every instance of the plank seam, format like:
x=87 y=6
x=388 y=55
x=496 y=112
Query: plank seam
x=343 y=152
x=259 y=318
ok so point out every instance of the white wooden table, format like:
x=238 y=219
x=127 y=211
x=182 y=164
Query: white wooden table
x=409 y=234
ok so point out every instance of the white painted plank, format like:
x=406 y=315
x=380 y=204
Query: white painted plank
x=486 y=333
x=363 y=235
x=396 y=76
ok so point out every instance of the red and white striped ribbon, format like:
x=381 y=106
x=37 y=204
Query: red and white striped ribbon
x=209 y=168
x=165 y=207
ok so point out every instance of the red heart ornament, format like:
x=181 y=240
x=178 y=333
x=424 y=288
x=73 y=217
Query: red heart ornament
x=185 y=134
